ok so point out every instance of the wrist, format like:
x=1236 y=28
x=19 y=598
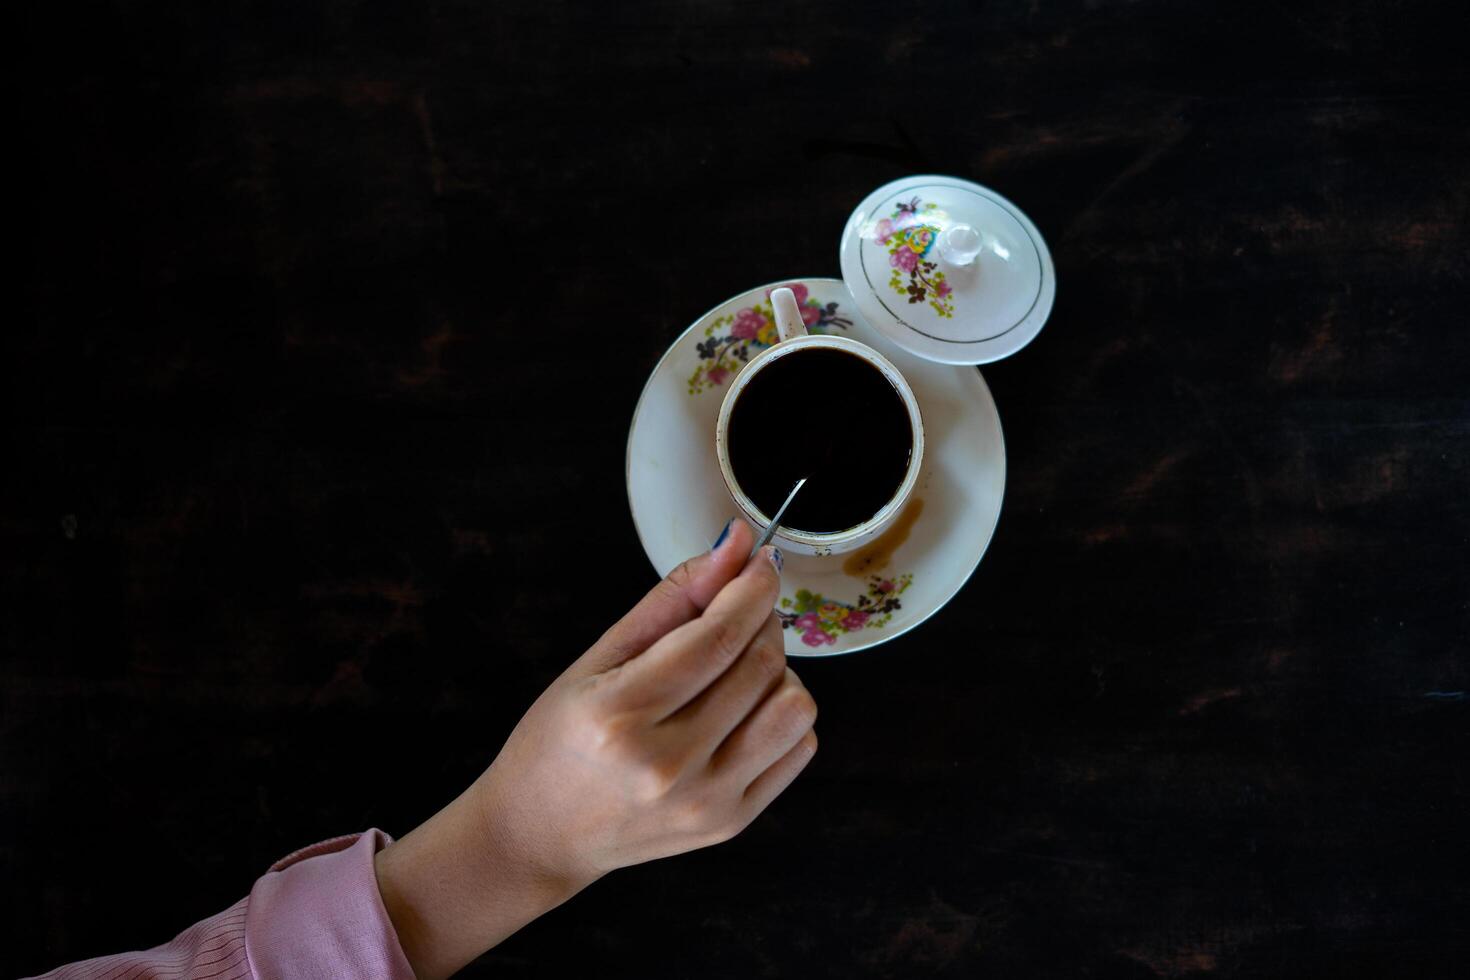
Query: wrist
x=458 y=885
x=518 y=838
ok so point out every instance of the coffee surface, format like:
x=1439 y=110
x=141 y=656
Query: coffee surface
x=828 y=416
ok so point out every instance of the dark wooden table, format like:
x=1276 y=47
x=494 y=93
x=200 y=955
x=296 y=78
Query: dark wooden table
x=332 y=319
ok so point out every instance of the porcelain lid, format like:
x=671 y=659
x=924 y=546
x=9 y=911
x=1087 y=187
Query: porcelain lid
x=948 y=269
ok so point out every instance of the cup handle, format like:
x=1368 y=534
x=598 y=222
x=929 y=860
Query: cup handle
x=788 y=315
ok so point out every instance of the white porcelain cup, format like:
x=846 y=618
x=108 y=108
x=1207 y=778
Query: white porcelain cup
x=793 y=339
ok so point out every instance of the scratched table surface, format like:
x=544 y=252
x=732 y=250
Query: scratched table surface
x=333 y=315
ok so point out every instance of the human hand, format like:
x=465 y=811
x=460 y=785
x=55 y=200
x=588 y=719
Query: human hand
x=677 y=727
x=674 y=731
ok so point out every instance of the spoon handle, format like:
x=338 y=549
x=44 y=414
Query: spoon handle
x=776 y=521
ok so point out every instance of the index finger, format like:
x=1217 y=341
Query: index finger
x=674 y=671
x=682 y=595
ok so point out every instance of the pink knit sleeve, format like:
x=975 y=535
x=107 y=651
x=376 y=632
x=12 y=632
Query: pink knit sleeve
x=316 y=914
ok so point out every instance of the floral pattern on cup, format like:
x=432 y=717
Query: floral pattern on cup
x=729 y=341
x=910 y=233
x=821 y=620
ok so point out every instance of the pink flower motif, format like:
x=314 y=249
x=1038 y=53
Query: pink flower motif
x=884 y=231
x=717 y=375
x=810 y=315
x=748 y=323
x=816 y=638
x=797 y=290
x=886 y=585
x=905 y=258
x=942 y=290
x=808 y=621
x=854 y=620
x=921 y=239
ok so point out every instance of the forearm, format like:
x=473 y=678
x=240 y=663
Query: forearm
x=457 y=885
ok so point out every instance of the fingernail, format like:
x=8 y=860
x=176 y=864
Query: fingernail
x=724 y=533
x=777 y=559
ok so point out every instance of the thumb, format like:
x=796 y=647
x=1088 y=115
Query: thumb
x=673 y=602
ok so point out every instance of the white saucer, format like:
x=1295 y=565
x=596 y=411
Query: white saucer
x=679 y=502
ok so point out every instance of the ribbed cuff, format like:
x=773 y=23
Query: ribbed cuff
x=318 y=914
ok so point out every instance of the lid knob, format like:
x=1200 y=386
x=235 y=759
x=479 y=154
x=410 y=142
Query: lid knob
x=960 y=244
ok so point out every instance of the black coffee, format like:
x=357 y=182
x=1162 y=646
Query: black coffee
x=828 y=416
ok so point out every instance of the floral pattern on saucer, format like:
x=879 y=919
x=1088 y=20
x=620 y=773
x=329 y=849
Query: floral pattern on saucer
x=731 y=339
x=910 y=233
x=820 y=620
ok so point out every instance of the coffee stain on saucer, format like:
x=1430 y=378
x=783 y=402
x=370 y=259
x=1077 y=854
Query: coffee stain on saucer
x=879 y=552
